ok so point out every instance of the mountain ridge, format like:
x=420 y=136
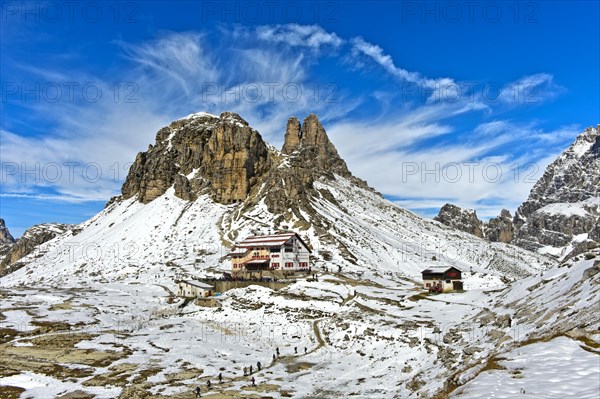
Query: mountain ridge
x=561 y=215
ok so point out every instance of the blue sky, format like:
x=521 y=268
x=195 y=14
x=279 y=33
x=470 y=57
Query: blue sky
x=435 y=102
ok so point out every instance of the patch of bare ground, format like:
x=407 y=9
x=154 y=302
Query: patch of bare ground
x=48 y=355
x=9 y=392
x=76 y=395
x=298 y=366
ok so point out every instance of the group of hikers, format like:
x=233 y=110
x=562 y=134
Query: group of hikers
x=247 y=371
x=208 y=385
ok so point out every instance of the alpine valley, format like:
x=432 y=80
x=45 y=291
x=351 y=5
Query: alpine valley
x=91 y=311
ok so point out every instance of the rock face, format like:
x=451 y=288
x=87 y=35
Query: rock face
x=500 y=229
x=461 y=219
x=561 y=214
x=564 y=205
x=31 y=239
x=5 y=236
x=202 y=153
x=308 y=155
x=310 y=142
x=227 y=159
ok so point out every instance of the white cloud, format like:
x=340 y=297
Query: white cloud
x=311 y=36
x=530 y=89
x=435 y=87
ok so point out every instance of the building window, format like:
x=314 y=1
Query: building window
x=451 y=274
x=428 y=285
x=275 y=265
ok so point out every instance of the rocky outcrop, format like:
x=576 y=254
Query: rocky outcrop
x=29 y=241
x=563 y=207
x=292 y=136
x=308 y=155
x=500 y=229
x=573 y=177
x=461 y=219
x=561 y=214
x=222 y=156
x=5 y=236
x=311 y=144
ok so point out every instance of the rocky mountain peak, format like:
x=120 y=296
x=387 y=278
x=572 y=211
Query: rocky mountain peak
x=32 y=238
x=292 y=135
x=310 y=142
x=560 y=217
x=563 y=203
x=461 y=219
x=501 y=228
x=201 y=153
x=5 y=236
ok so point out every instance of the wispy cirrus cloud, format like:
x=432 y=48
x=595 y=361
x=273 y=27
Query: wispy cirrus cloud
x=295 y=35
x=531 y=89
x=360 y=47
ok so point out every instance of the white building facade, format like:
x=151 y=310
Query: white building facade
x=282 y=251
x=194 y=289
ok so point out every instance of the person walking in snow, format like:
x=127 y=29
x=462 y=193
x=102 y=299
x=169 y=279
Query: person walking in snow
x=208 y=385
x=305 y=350
x=277 y=350
x=220 y=378
x=245 y=371
x=258 y=365
x=296 y=350
x=250 y=369
x=197 y=390
x=253 y=382
x=273 y=357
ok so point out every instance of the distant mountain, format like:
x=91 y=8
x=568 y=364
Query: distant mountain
x=561 y=216
x=5 y=236
x=461 y=219
x=31 y=239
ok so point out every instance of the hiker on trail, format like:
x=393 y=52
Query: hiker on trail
x=305 y=350
x=245 y=371
x=208 y=384
x=250 y=369
x=277 y=350
x=273 y=357
x=296 y=350
x=258 y=365
x=220 y=378
x=253 y=382
x=197 y=390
